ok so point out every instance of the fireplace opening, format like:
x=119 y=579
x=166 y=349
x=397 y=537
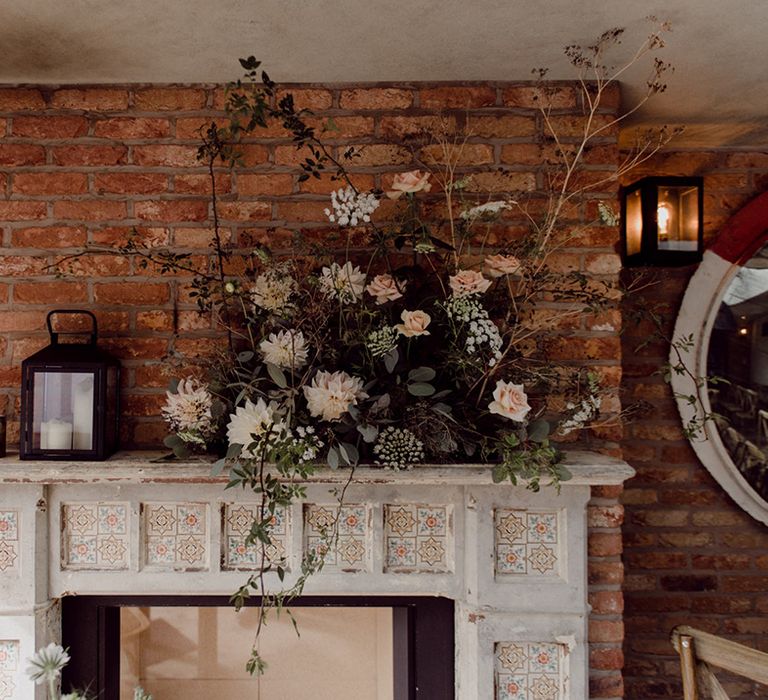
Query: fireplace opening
x=366 y=648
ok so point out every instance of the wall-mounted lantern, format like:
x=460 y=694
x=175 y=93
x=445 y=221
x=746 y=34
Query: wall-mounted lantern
x=662 y=221
x=69 y=398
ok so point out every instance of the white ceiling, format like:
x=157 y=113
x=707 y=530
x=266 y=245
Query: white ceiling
x=718 y=47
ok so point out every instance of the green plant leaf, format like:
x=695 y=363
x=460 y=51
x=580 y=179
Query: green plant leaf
x=421 y=389
x=245 y=355
x=369 y=432
x=277 y=375
x=422 y=374
x=498 y=474
x=349 y=453
x=538 y=431
x=391 y=359
x=333 y=458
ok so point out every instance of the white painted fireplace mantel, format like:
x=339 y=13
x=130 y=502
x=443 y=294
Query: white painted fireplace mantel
x=513 y=561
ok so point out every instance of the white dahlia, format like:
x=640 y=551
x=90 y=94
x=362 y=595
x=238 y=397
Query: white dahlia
x=286 y=349
x=332 y=393
x=272 y=291
x=188 y=411
x=343 y=282
x=254 y=423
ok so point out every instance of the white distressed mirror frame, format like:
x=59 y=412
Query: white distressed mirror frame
x=741 y=237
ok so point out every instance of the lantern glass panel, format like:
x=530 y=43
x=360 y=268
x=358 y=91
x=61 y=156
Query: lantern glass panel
x=677 y=218
x=634 y=222
x=62 y=410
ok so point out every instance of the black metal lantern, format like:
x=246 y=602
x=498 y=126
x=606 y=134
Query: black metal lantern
x=69 y=398
x=662 y=222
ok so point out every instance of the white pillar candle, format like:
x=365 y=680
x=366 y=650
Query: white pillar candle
x=82 y=412
x=58 y=433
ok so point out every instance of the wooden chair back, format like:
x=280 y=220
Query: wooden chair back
x=699 y=650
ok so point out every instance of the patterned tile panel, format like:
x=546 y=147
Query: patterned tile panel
x=344 y=545
x=95 y=536
x=529 y=671
x=526 y=542
x=236 y=524
x=175 y=536
x=418 y=538
x=9 y=542
x=9 y=664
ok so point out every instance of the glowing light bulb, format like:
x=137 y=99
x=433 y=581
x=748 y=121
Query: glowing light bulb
x=743 y=331
x=662 y=217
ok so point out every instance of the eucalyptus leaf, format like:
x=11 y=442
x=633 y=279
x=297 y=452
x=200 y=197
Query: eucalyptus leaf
x=391 y=359
x=234 y=450
x=333 y=458
x=369 y=432
x=217 y=467
x=172 y=441
x=422 y=374
x=498 y=474
x=421 y=389
x=538 y=431
x=277 y=375
x=173 y=385
x=245 y=355
x=349 y=453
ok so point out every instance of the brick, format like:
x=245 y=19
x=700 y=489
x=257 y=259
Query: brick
x=606 y=631
x=90 y=210
x=197 y=347
x=149 y=434
x=728 y=562
x=606 y=602
x=157 y=376
x=465 y=154
x=605 y=516
x=22 y=211
x=50 y=183
x=267 y=184
x=176 y=99
x=334 y=128
x=131 y=128
x=197 y=237
x=194 y=128
x=308 y=98
x=603 y=126
x=502 y=126
x=457 y=97
x=136 y=348
x=21 y=99
x=96 y=265
x=246 y=211
x=49 y=292
x=130 y=183
x=139 y=293
x=718 y=519
x=399 y=126
x=166 y=155
x=21 y=320
x=142 y=404
x=154 y=320
x=602 y=264
x=502 y=181
x=379 y=155
x=325 y=184
x=16 y=154
x=301 y=211
x=176 y=210
x=50 y=127
x=530 y=97
x=89 y=155
x=201 y=184
x=22 y=265
x=604 y=544
x=659 y=518
x=118 y=236
x=680 y=540
x=194 y=321
x=97 y=99
x=656 y=560
x=606 y=658
x=252 y=155
x=610 y=686
x=375 y=98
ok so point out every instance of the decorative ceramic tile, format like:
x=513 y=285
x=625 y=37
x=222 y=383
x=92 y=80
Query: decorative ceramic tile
x=9 y=542
x=236 y=554
x=526 y=542
x=94 y=536
x=175 y=535
x=529 y=671
x=416 y=538
x=9 y=663
x=344 y=545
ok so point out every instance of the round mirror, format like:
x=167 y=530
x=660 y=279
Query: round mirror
x=722 y=334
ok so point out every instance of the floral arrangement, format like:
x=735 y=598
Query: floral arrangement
x=413 y=336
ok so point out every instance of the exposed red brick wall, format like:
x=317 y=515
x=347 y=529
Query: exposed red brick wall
x=691 y=555
x=84 y=165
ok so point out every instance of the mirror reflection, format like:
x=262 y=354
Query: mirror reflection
x=738 y=355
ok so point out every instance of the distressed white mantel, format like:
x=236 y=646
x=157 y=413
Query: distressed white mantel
x=514 y=561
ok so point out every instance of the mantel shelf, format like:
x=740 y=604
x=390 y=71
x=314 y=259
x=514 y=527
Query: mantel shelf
x=587 y=468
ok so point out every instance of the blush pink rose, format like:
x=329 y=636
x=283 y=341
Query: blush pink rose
x=409 y=183
x=500 y=265
x=509 y=401
x=384 y=288
x=466 y=282
x=414 y=323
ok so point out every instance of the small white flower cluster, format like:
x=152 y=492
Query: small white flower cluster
x=350 y=207
x=382 y=341
x=583 y=412
x=307 y=444
x=489 y=210
x=398 y=448
x=481 y=330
